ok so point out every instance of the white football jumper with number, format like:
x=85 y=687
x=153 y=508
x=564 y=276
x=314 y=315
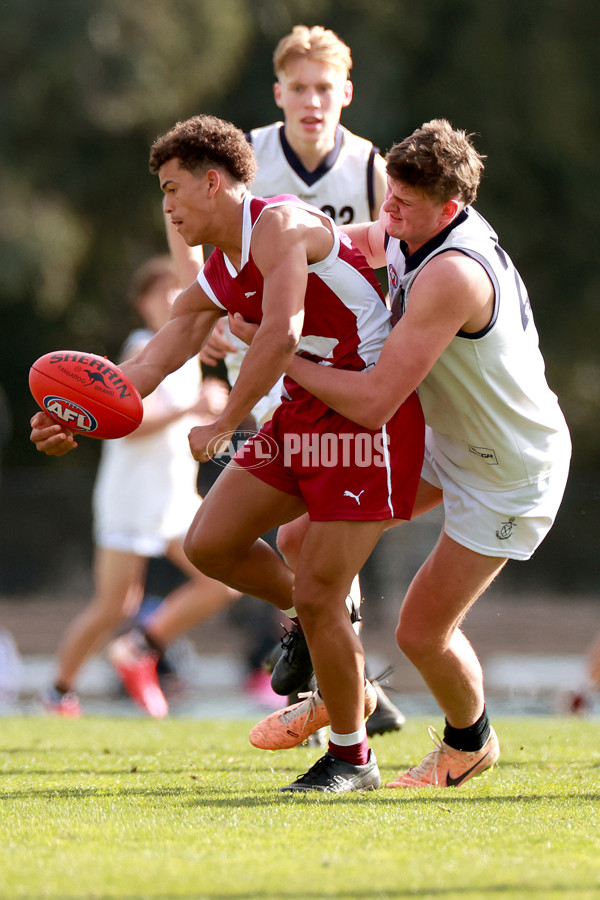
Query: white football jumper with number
x=342 y=186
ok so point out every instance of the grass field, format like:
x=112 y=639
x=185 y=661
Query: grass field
x=128 y=809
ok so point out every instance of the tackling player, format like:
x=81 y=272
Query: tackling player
x=497 y=445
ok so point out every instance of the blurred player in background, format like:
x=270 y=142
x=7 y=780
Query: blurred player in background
x=311 y=155
x=580 y=701
x=144 y=499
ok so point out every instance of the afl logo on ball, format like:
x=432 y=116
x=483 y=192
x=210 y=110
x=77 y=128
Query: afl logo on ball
x=65 y=412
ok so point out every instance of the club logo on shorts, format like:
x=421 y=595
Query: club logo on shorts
x=507 y=529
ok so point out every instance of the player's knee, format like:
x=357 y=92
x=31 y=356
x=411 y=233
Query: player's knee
x=289 y=542
x=207 y=556
x=321 y=605
x=412 y=640
x=110 y=613
x=307 y=607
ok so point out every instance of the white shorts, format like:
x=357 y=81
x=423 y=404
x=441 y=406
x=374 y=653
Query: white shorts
x=141 y=507
x=508 y=524
x=138 y=544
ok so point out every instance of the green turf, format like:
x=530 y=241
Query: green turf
x=118 y=808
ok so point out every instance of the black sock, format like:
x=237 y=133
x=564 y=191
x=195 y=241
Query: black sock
x=472 y=738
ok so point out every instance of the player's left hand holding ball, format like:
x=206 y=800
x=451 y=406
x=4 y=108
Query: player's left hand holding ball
x=50 y=438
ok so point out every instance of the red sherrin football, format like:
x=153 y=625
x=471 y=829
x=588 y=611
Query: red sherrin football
x=85 y=393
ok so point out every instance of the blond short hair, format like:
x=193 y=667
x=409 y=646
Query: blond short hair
x=315 y=43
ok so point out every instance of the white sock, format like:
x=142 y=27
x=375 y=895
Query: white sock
x=346 y=740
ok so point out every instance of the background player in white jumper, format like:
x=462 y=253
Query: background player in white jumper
x=286 y=265
x=144 y=497
x=497 y=445
x=309 y=154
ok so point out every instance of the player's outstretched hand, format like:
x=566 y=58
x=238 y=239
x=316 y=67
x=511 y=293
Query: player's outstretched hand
x=50 y=438
x=243 y=330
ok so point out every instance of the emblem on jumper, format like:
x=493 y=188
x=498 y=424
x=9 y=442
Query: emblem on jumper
x=506 y=530
x=486 y=454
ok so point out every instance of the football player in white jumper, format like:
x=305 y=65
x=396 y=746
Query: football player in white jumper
x=497 y=445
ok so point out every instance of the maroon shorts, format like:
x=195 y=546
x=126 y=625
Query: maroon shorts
x=342 y=471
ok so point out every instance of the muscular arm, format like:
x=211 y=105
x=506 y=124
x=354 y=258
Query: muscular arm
x=192 y=318
x=283 y=242
x=452 y=293
x=157 y=416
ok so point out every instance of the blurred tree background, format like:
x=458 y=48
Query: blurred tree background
x=86 y=87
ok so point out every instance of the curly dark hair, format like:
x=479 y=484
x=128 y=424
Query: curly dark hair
x=204 y=141
x=438 y=160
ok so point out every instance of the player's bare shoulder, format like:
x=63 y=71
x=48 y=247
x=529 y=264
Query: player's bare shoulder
x=459 y=281
x=283 y=226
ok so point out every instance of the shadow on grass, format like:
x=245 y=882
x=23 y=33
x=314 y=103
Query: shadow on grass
x=83 y=793
x=107 y=773
x=267 y=767
x=388 y=799
x=382 y=894
x=200 y=794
